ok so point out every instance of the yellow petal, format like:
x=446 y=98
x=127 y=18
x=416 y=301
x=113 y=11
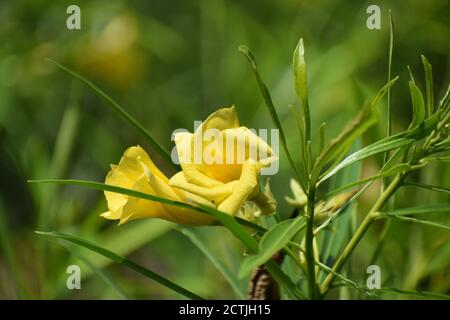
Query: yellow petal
x=216 y=193
x=247 y=145
x=136 y=208
x=177 y=214
x=130 y=174
x=245 y=186
x=224 y=118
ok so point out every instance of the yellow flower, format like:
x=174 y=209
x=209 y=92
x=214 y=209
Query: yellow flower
x=220 y=168
x=138 y=172
x=221 y=161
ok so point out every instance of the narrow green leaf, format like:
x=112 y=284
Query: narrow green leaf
x=322 y=136
x=429 y=85
x=418 y=105
x=390 y=143
x=391 y=49
x=269 y=104
x=271 y=242
x=125 y=115
x=125 y=262
x=429 y=187
x=300 y=81
x=227 y=274
x=415 y=220
x=398 y=168
x=443 y=159
x=389 y=108
x=431 y=208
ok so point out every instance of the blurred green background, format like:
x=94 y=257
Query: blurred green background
x=170 y=63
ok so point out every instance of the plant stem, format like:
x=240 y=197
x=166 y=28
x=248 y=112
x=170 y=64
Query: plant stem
x=370 y=217
x=309 y=244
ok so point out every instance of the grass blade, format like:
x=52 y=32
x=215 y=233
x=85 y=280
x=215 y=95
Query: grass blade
x=429 y=85
x=389 y=109
x=415 y=220
x=418 y=105
x=125 y=115
x=429 y=187
x=269 y=104
x=390 y=143
x=125 y=262
x=391 y=49
x=434 y=208
x=401 y=167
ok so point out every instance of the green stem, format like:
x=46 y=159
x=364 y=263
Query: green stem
x=371 y=216
x=309 y=244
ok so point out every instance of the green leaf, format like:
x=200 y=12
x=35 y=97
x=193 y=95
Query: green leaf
x=322 y=136
x=432 y=208
x=398 y=168
x=429 y=187
x=227 y=274
x=391 y=49
x=415 y=220
x=389 y=108
x=352 y=130
x=271 y=242
x=269 y=104
x=390 y=143
x=443 y=159
x=123 y=261
x=429 y=85
x=418 y=105
x=300 y=82
x=125 y=115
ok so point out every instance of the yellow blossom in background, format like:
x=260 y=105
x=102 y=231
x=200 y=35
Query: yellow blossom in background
x=220 y=184
x=112 y=54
